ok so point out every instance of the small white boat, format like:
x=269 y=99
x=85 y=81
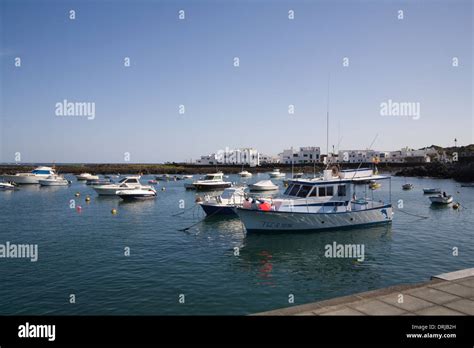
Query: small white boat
x=431 y=190
x=137 y=194
x=407 y=187
x=212 y=182
x=184 y=177
x=54 y=180
x=264 y=185
x=32 y=177
x=245 y=174
x=7 y=186
x=276 y=174
x=86 y=176
x=163 y=177
x=224 y=204
x=127 y=183
x=441 y=199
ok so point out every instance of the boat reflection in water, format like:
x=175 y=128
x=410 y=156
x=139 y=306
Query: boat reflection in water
x=271 y=258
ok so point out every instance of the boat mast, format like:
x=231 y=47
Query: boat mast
x=327 y=125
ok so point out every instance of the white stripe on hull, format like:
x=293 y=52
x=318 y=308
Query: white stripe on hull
x=274 y=221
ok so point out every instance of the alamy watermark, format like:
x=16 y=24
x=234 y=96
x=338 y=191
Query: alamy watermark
x=405 y=109
x=350 y=251
x=80 y=109
x=25 y=251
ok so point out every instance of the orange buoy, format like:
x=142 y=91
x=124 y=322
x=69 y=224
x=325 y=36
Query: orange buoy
x=265 y=206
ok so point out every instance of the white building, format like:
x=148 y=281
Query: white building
x=309 y=154
x=244 y=156
x=268 y=159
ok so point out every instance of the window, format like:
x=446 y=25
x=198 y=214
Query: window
x=294 y=190
x=330 y=191
x=322 y=191
x=287 y=192
x=341 y=190
x=314 y=192
x=304 y=191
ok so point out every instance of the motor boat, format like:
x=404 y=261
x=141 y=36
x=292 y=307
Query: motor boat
x=184 y=177
x=441 y=199
x=245 y=174
x=137 y=194
x=276 y=174
x=329 y=202
x=264 y=185
x=7 y=186
x=54 y=180
x=86 y=176
x=32 y=177
x=431 y=190
x=127 y=183
x=223 y=204
x=407 y=187
x=212 y=182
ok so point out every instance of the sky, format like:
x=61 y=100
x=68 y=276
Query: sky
x=190 y=62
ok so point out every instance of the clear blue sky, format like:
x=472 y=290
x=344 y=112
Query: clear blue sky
x=190 y=62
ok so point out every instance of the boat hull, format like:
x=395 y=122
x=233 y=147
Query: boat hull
x=137 y=197
x=53 y=183
x=441 y=200
x=203 y=187
x=274 y=221
x=24 y=179
x=211 y=209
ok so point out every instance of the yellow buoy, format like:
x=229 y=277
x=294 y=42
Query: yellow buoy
x=88 y=199
x=114 y=211
x=455 y=205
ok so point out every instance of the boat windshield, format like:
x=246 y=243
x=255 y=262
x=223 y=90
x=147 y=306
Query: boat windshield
x=41 y=171
x=213 y=177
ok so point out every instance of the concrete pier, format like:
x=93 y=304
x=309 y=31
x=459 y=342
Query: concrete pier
x=445 y=294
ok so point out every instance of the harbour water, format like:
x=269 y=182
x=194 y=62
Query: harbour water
x=82 y=253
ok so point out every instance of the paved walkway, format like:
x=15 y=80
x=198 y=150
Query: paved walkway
x=446 y=294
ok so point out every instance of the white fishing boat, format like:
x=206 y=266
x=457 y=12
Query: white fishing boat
x=245 y=174
x=54 y=180
x=329 y=202
x=163 y=177
x=137 y=194
x=32 y=177
x=223 y=204
x=276 y=174
x=127 y=183
x=431 y=190
x=407 y=187
x=441 y=199
x=264 y=185
x=212 y=182
x=184 y=177
x=86 y=176
x=7 y=186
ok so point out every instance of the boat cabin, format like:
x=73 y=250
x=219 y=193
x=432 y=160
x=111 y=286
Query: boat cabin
x=214 y=177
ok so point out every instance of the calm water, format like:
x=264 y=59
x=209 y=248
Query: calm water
x=83 y=254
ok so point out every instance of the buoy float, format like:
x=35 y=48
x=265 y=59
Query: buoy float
x=455 y=206
x=78 y=208
x=77 y=194
x=114 y=211
x=163 y=188
x=88 y=199
x=198 y=199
